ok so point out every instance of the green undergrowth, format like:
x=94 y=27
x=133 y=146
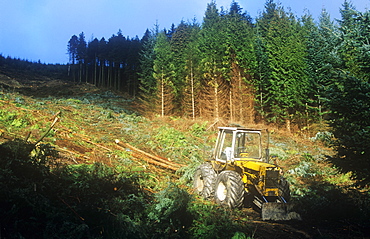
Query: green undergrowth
x=113 y=195
x=40 y=199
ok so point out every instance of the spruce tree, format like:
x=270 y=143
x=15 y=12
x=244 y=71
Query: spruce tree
x=191 y=88
x=348 y=97
x=214 y=65
x=147 y=88
x=286 y=87
x=164 y=75
x=72 y=52
x=239 y=38
x=92 y=57
x=81 y=55
x=322 y=59
x=179 y=43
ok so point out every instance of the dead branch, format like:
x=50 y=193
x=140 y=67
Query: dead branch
x=90 y=142
x=51 y=126
x=156 y=158
x=73 y=153
x=212 y=125
x=154 y=162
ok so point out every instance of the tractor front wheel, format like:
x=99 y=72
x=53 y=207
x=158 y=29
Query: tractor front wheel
x=229 y=189
x=204 y=178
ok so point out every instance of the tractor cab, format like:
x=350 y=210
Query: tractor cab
x=235 y=143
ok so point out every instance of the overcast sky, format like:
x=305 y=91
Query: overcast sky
x=40 y=29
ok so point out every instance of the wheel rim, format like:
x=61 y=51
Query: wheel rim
x=221 y=191
x=199 y=185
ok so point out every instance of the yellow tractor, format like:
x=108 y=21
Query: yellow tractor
x=239 y=171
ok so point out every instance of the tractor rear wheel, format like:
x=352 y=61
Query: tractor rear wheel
x=229 y=189
x=204 y=178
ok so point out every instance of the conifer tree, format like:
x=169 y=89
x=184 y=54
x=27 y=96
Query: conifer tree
x=102 y=55
x=262 y=73
x=81 y=55
x=347 y=24
x=214 y=66
x=286 y=87
x=322 y=58
x=348 y=97
x=191 y=84
x=148 y=86
x=239 y=37
x=72 y=51
x=92 y=57
x=349 y=101
x=164 y=75
x=355 y=31
x=179 y=42
x=132 y=66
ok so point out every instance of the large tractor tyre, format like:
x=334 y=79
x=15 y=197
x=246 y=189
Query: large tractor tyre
x=284 y=189
x=229 y=189
x=204 y=178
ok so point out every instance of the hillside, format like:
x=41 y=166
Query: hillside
x=140 y=170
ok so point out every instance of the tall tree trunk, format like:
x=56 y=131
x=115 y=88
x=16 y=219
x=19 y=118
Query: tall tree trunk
x=86 y=73
x=162 y=94
x=80 y=75
x=119 y=77
x=192 y=91
x=241 y=105
x=231 y=105
x=216 y=103
x=95 y=71
x=288 y=122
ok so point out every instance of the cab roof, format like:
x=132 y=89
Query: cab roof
x=238 y=128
